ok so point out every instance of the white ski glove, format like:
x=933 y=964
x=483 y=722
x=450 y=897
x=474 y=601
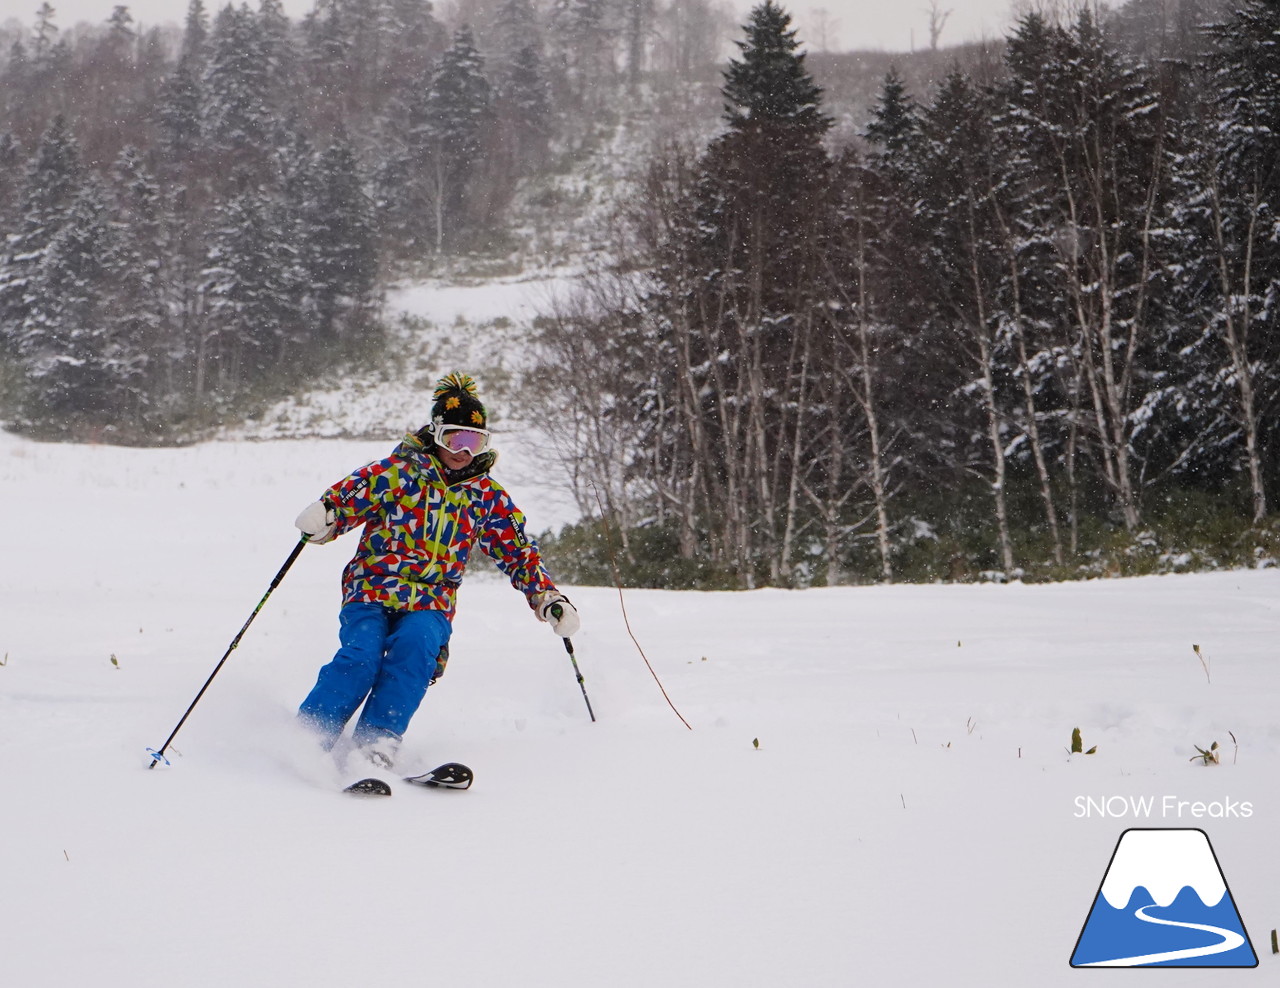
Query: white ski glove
x=317 y=522
x=554 y=608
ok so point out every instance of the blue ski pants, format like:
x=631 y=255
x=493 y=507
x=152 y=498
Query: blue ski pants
x=386 y=660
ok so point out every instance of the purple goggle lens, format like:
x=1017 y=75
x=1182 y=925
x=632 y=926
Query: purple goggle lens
x=457 y=439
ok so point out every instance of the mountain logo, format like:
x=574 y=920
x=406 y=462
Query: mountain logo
x=1164 y=902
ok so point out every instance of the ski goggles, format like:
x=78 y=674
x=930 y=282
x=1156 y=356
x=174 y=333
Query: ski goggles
x=462 y=439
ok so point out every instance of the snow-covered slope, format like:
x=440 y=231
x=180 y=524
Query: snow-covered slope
x=910 y=816
x=482 y=328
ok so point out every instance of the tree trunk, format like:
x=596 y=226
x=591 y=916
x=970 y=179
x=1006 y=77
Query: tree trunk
x=1235 y=337
x=1028 y=389
x=795 y=458
x=438 y=191
x=980 y=334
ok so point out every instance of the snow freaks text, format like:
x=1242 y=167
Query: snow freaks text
x=1162 y=807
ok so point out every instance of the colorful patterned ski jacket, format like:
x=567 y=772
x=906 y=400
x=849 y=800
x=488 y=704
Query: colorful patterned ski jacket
x=419 y=529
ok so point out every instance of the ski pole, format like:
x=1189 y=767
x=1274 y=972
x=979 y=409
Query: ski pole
x=557 y=612
x=158 y=756
x=568 y=647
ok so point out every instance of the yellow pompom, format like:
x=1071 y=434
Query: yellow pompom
x=455 y=381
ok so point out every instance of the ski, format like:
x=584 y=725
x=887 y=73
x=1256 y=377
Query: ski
x=369 y=787
x=451 y=775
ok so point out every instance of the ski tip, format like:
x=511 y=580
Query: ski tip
x=451 y=775
x=369 y=787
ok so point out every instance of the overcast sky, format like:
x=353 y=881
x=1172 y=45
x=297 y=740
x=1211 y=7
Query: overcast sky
x=892 y=25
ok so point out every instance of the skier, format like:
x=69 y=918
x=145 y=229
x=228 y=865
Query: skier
x=423 y=509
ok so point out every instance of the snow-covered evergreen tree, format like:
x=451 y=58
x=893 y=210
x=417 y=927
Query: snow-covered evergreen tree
x=195 y=37
x=84 y=376
x=53 y=181
x=410 y=38
x=252 y=311
x=342 y=260
x=958 y=174
x=179 y=112
x=17 y=73
x=763 y=182
x=740 y=281
x=141 y=263
x=278 y=51
x=522 y=110
x=1246 y=84
x=11 y=159
x=1230 y=273
x=237 y=111
x=446 y=133
x=121 y=38
x=894 y=126
x=1096 y=170
x=44 y=38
